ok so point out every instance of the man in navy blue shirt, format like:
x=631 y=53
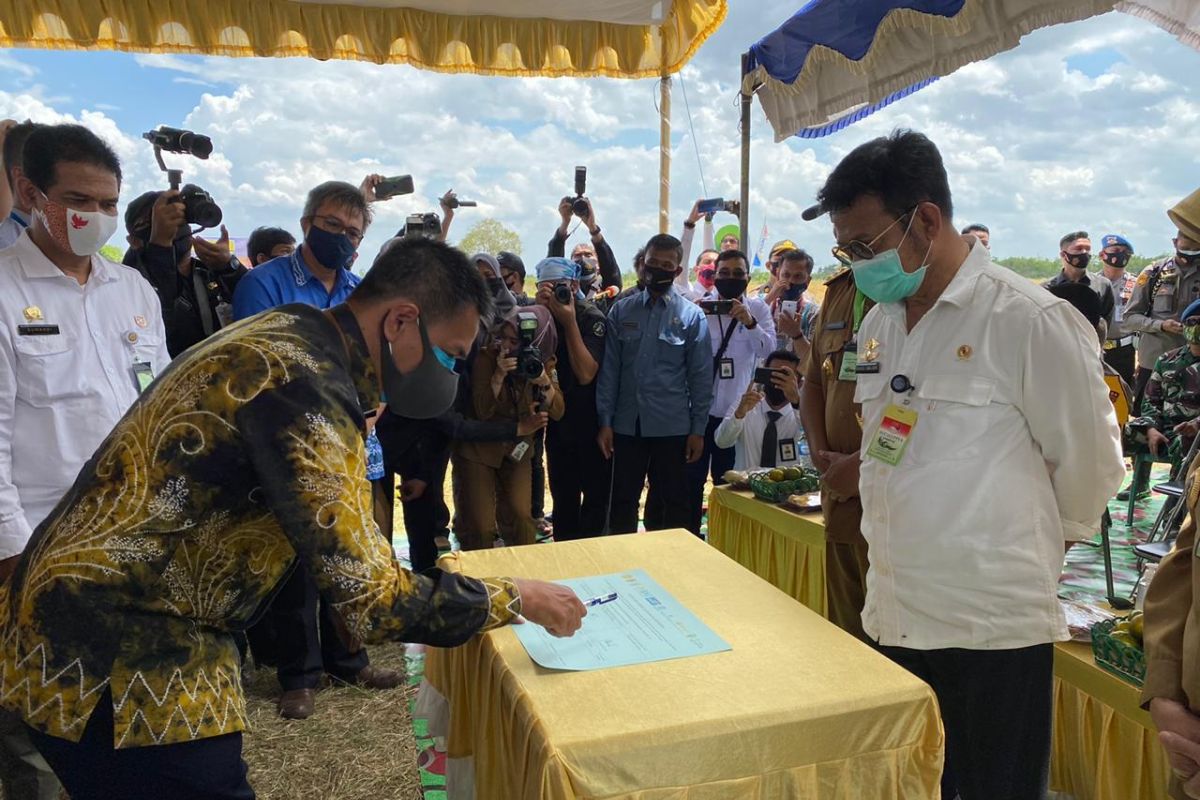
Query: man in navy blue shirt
x=317 y=273
x=654 y=392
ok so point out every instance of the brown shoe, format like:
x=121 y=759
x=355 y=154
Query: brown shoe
x=297 y=704
x=379 y=678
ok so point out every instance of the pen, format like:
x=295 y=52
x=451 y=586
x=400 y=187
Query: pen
x=601 y=600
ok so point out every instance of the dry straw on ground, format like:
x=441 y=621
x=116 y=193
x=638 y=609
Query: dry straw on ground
x=358 y=746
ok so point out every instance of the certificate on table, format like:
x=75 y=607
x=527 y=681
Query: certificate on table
x=645 y=623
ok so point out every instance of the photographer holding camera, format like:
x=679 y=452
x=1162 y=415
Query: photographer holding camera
x=579 y=478
x=742 y=334
x=510 y=380
x=196 y=292
x=596 y=251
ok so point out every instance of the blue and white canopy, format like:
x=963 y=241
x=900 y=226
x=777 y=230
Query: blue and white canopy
x=837 y=61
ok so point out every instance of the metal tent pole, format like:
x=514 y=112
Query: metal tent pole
x=664 y=155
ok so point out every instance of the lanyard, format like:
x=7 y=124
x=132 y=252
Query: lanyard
x=860 y=306
x=13 y=216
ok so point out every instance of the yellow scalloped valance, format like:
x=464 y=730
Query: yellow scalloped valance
x=486 y=45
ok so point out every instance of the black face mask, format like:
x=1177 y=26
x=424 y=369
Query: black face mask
x=774 y=396
x=731 y=288
x=658 y=280
x=1117 y=260
x=1078 y=260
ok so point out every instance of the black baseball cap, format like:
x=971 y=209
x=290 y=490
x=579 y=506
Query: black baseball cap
x=137 y=214
x=511 y=262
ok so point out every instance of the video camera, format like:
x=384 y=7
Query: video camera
x=199 y=206
x=579 y=206
x=452 y=202
x=529 y=358
x=422 y=226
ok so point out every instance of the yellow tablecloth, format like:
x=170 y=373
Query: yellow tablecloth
x=796 y=709
x=1105 y=746
x=782 y=547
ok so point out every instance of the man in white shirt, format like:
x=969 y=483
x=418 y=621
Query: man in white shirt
x=14 y=210
x=989 y=445
x=742 y=334
x=765 y=428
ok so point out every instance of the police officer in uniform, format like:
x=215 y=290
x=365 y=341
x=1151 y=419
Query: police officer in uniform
x=1120 y=346
x=833 y=425
x=580 y=478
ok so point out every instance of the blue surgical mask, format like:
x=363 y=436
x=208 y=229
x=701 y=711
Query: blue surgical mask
x=445 y=359
x=331 y=250
x=883 y=278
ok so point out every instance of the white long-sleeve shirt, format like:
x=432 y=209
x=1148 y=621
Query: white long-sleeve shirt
x=61 y=392
x=746 y=435
x=1015 y=451
x=747 y=348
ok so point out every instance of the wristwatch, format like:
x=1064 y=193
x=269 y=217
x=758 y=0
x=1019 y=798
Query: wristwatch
x=689 y=225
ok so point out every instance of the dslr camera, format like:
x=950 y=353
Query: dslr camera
x=562 y=293
x=529 y=358
x=422 y=226
x=716 y=306
x=199 y=206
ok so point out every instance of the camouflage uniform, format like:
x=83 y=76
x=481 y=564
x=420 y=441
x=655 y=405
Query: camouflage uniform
x=1172 y=396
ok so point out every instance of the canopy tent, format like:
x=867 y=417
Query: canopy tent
x=837 y=61
x=516 y=38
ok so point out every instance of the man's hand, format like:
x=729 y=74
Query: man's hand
x=532 y=423
x=742 y=314
x=367 y=187
x=1156 y=440
x=789 y=325
x=1179 y=732
x=215 y=255
x=564 y=211
x=1172 y=326
x=8 y=566
x=841 y=476
x=446 y=201
x=167 y=218
x=563 y=314
x=693 y=449
x=749 y=400
x=604 y=440
x=553 y=606
x=785 y=378
x=412 y=489
x=1189 y=429
x=695 y=214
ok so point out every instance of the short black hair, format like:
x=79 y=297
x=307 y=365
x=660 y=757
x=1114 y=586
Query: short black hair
x=796 y=254
x=1073 y=236
x=14 y=147
x=664 y=241
x=730 y=255
x=438 y=278
x=511 y=262
x=50 y=145
x=975 y=226
x=343 y=195
x=786 y=355
x=263 y=240
x=700 y=257
x=902 y=170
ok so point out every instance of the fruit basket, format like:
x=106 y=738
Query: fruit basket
x=1118 y=654
x=774 y=485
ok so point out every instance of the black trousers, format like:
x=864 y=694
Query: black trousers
x=720 y=460
x=580 y=481
x=997 y=709
x=661 y=460
x=306 y=639
x=427 y=517
x=92 y=769
x=1123 y=359
x=1140 y=379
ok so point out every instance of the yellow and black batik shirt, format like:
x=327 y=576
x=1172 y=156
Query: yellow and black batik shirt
x=243 y=460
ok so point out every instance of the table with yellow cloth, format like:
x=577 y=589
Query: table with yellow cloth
x=1105 y=746
x=796 y=708
x=782 y=547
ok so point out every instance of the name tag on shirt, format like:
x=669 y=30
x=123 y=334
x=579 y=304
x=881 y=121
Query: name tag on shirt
x=37 y=330
x=891 y=439
x=725 y=369
x=848 y=372
x=143 y=375
x=787 y=450
x=839 y=325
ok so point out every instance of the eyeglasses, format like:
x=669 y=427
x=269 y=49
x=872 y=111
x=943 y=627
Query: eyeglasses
x=335 y=226
x=855 y=250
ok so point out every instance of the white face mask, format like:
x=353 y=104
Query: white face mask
x=81 y=232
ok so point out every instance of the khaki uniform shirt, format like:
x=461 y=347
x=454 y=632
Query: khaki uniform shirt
x=1145 y=313
x=833 y=329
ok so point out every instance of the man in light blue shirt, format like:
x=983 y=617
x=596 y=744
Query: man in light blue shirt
x=336 y=216
x=654 y=393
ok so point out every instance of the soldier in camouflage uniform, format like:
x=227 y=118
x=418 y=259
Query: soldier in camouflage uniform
x=1171 y=406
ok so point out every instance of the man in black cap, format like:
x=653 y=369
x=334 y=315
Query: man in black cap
x=196 y=293
x=1075 y=252
x=1120 y=348
x=512 y=271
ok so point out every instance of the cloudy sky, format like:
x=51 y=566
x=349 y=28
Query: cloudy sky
x=1092 y=125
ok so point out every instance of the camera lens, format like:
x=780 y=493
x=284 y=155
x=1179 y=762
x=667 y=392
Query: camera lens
x=579 y=207
x=197 y=144
x=562 y=293
x=199 y=208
